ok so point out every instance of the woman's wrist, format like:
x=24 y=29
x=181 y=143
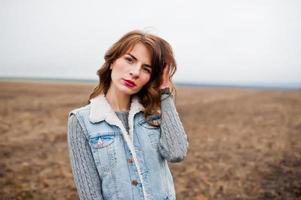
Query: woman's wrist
x=165 y=93
x=165 y=90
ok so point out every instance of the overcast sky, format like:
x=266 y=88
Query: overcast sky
x=217 y=41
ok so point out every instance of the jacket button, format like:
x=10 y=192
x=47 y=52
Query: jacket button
x=134 y=182
x=130 y=159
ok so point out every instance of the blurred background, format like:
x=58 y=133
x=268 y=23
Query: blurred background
x=238 y=78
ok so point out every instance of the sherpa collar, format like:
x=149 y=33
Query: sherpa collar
x=101 y=109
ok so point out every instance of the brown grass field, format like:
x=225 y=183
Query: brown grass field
x=244 y=143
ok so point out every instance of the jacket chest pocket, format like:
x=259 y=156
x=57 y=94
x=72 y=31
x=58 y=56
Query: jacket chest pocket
x=153 y=132
x=104 y=152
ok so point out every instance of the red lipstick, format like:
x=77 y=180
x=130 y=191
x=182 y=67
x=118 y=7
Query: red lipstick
x=129 y=83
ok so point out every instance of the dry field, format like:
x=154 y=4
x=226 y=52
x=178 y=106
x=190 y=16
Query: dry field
x=244 y=143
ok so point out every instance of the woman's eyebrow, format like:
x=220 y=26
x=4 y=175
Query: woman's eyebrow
x=147 y=65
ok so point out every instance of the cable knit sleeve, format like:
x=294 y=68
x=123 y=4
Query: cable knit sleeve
x=173 y=143
x=84 y=170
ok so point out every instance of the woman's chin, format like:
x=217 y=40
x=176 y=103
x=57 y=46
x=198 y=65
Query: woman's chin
x=128 y=91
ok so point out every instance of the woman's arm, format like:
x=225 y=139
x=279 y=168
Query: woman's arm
x=84 y=170
x=173 y=143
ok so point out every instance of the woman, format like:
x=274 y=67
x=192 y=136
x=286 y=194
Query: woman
x=119 y=143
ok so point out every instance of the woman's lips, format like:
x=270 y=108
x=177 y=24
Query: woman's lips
x=129 y=83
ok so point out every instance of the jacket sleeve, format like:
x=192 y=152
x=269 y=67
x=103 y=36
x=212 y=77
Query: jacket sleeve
x=173 y=144
x=84 y=170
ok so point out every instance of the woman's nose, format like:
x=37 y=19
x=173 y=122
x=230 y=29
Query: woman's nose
x=135 y=71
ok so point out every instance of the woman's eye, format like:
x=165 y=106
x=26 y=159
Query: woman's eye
x=148 y=70
x=129 y=59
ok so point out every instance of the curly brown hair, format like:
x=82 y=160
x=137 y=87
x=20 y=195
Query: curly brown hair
x=161 y=56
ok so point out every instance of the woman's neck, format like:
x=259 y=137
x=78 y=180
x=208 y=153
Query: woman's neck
x=118 y=101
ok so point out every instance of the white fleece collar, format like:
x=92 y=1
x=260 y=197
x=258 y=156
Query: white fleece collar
x=102 y=110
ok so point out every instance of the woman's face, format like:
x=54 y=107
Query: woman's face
x=131 y=71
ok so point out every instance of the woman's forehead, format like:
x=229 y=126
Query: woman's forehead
x=141 y=53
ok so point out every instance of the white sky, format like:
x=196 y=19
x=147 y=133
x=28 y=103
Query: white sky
x=217 y=41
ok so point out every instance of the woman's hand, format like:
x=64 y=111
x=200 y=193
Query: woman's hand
x=165 y=76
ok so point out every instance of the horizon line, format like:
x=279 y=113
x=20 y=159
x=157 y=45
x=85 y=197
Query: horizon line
x=254 y=85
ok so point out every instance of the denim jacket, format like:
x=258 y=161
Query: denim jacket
x=129 y=163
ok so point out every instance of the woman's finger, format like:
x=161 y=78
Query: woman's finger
x=165 y=77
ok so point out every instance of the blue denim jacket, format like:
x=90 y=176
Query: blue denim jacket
x=129 y=163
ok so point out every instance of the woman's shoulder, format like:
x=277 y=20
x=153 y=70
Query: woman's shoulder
x=80 y=110
x=76 y=117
